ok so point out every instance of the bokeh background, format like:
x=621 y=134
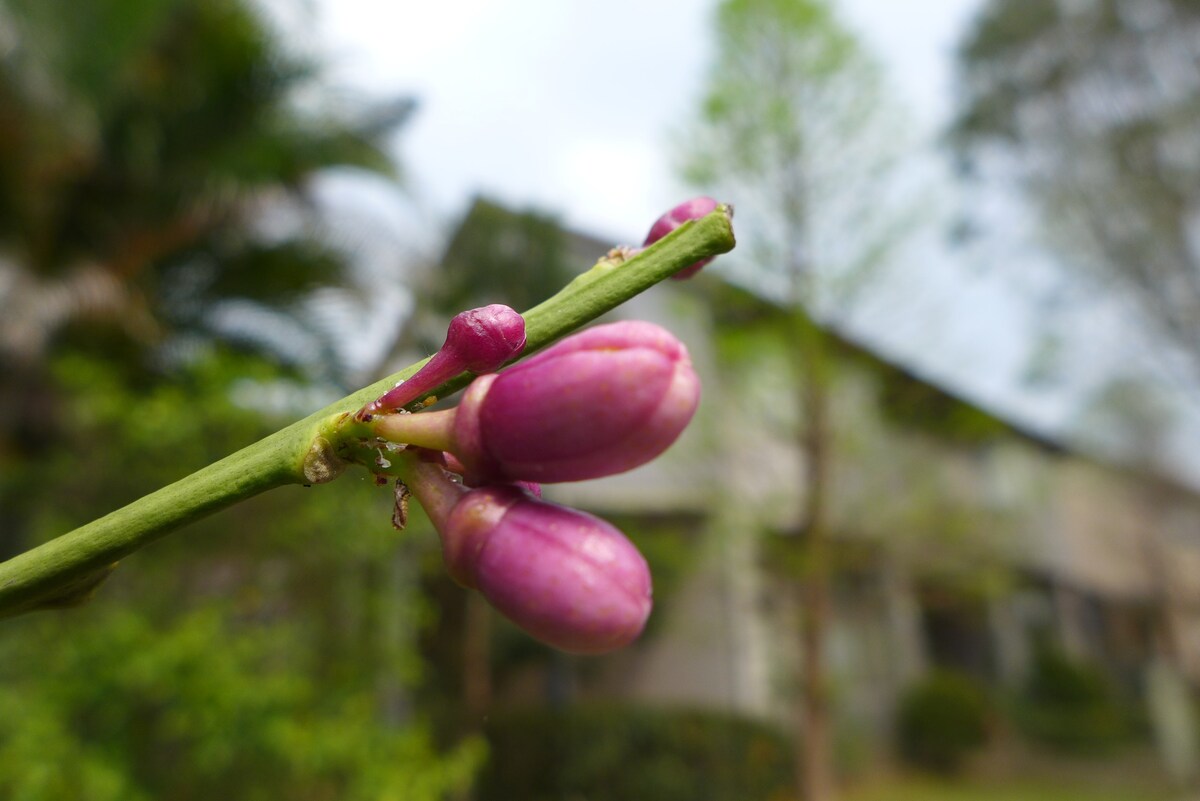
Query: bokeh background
x=935 y=532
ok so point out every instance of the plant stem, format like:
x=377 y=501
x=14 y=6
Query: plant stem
x=432 y=430
x=65 y=571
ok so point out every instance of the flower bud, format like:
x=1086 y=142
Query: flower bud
x=570 y=579
x=480 y=340
x=483 y=339
x=602 y=401
x=692 y=209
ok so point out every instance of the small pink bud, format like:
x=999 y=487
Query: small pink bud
x=480 y=340
x=602 y=401
x=570 y=579
x=692 y=209
x=483 y=339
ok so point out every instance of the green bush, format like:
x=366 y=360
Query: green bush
x=629 y=753
x=1070 y=706
x=941 y=719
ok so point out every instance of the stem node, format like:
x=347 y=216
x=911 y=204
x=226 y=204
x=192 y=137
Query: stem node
x=321 y=463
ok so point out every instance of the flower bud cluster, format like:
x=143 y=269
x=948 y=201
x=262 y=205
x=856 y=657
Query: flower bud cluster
x=600 y=402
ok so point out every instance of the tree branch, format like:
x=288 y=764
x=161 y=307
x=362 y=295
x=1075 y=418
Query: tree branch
x=65 y=571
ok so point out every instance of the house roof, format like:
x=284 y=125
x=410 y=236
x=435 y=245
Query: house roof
x=911 y=393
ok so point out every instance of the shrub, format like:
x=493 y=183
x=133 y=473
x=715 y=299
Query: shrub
x=1070 y=706
x=628 y=753
x=941 y=719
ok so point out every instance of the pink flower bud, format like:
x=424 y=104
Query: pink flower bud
x=483 y=339
x=602 y=401
x=692 y=209
x=569 y=579
x=480 y=340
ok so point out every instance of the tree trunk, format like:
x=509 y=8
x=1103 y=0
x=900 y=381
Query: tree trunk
x=814 y=762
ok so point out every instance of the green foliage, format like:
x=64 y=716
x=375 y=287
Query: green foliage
x=161 y=115
x=140 y=143
x=1071 y=707
x=941 y=719
x=627 y=754
x=203 y=706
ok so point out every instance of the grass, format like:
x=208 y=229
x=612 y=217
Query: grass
x=913 y=789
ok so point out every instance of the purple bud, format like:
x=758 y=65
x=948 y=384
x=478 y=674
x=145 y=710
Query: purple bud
x=570 y=579
x=480 y=340
x=602 y=401
x=692 y=209
x=484 y=339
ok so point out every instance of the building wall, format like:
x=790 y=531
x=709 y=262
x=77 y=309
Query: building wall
x=1016 y=536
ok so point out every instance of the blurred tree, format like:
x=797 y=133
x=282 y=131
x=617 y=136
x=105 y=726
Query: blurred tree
x=796 y=131
x=1093 y=106
x=147 y=148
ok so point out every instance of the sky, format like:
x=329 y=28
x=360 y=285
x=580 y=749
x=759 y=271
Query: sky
x=572 y=108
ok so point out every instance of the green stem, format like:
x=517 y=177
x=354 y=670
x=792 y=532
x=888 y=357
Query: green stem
x=65 y=570
x=432 y=430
